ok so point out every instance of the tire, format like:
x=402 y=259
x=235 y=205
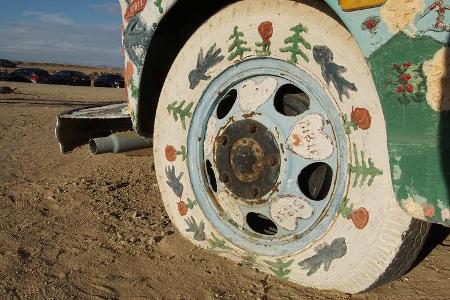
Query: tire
x=280 y=160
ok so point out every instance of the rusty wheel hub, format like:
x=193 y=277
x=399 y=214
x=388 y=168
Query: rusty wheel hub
x=248 y=159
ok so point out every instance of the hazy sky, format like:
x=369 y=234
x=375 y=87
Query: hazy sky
x=61 y=31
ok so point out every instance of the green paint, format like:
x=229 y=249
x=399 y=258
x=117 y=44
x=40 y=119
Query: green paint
x=280 y=268
x=236 y=48
x=344 y=209
x=249 y=259
x=418 y=137
x=295 y=40
x=349 y=125
x=265 y=51
x=158 y=4
x=191 y=203
x=363 y=170
x=408 y=82
x=183 y=153
x=217 y=244
x=134 y=90
x=180 y=113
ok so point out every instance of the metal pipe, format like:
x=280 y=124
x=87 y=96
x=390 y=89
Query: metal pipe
x=118 y=143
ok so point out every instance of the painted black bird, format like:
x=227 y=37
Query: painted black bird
x=332 y=72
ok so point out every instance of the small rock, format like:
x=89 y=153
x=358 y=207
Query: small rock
x=23 y=253
x=104 y=189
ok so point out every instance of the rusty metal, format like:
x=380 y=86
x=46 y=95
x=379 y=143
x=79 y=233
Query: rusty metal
x=247 y=158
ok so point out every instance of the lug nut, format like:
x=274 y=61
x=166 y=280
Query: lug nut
x=271 y=160
x=222 y=140
x=225 y=178
x=255 y=191
x=252 y=128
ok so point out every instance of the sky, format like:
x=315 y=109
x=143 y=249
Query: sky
x=83 y=32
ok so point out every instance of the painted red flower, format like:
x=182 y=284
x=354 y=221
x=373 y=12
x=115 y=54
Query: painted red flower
x=171 y=153
x=135 y=7
x=428 y=210
x=406 y=77
x=407 y=64
x=265 y=30
x=182 y=208
x=399 y=89
x=370 y=24
x=128 y=72
x=361 y=117
x=409 y=88
x=360 y=217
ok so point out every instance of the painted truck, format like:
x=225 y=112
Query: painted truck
x=308 y=139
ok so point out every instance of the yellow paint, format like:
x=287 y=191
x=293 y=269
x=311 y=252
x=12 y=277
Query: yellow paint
x=348 y=5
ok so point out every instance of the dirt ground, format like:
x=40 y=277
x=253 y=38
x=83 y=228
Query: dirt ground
x=94 y=227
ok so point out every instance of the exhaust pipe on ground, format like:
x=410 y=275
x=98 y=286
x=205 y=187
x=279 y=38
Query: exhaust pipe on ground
x=119 y=142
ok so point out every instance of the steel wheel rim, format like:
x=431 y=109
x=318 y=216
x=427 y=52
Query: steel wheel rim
x=285 y=241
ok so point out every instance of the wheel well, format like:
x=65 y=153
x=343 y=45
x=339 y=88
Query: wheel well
x=172 y=33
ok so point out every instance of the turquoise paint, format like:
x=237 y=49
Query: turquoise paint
x=367 y=42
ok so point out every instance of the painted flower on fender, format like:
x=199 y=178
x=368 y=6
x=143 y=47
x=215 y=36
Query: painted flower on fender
x=128 y=72
x=445 y=211
x=428 y=210
x=409 y=82
x=370 y=24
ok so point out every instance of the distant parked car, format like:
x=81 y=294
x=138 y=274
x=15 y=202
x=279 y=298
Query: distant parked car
x=110 y=80
x=33 y=75
x=4 y=63
x=70 y=78
x=4 y=75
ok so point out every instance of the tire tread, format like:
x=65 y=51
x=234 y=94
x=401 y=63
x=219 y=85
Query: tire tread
x=412 y=243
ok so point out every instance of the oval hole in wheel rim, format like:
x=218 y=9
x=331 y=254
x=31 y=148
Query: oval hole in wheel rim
x=261 y=224
x=315 y=180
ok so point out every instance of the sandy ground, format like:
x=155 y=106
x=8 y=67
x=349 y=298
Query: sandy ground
x=94 y=227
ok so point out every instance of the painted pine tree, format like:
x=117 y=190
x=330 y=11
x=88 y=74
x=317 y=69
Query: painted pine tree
x=179 y=112
x=236 y=48
x=217 y=244
x=158 y=4
x=363 y=170
x=279 y=267
x=297 y=40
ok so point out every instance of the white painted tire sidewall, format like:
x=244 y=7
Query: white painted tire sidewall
x=370 y=250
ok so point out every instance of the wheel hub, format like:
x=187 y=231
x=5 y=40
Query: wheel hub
x=247 y=159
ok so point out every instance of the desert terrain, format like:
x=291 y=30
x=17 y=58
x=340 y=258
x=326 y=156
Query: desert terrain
x=80 y=226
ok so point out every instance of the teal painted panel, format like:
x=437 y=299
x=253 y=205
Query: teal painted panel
x=418 y=136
